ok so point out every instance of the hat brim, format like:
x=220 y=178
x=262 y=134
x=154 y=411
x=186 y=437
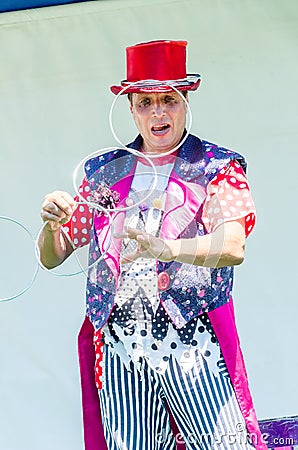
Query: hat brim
x=190 y=83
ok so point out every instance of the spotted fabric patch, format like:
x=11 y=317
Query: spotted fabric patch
x=98 y=348
x=229 y=198
x=79 y=225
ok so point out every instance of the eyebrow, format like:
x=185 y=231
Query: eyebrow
x=164 y=95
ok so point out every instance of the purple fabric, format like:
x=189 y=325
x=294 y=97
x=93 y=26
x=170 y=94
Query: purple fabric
x=281 y=432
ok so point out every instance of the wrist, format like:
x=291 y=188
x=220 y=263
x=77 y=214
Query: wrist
x=173 y=249
x=52 y=227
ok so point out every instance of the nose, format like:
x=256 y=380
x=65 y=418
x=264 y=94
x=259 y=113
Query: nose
x=158 y=109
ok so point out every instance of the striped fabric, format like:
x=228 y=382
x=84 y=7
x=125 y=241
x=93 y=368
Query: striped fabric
x=135 y=401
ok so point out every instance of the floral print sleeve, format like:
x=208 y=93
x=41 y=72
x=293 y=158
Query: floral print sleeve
x=229 y=198
x=81 y=220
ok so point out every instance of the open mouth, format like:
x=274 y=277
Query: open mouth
x=160 y=129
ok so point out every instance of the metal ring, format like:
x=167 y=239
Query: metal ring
x=150 y=83
x=12 y=297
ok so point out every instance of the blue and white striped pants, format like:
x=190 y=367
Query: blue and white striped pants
x=135 y=414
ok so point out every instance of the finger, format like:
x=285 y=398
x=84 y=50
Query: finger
x=53 y=222
x=53 y=208
x=57 y=207
x=62 y=200
x=70 y=205
x=68 y=198
x=144 y=241
x=47 y=215
x=155 y=247
x=140 y=238
x=133 y=233
x=52 y=213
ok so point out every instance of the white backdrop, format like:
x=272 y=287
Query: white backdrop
x=56 y=66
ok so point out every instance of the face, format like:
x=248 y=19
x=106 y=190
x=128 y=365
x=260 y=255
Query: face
x=160 y=119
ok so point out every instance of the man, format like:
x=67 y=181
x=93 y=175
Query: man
x=160 y=312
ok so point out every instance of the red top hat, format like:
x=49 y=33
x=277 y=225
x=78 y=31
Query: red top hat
x=157 y=61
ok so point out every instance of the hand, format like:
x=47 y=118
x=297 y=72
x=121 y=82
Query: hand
x=148 y=246
x=57 y=209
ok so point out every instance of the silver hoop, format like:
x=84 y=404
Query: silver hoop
x=151 y=83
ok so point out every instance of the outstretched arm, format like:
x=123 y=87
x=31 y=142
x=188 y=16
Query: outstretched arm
x=223 y=247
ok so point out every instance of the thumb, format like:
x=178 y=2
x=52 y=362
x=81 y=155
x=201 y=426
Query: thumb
x=144 y=241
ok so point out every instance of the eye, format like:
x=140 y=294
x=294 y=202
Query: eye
x=170 y=99
x=144 y=102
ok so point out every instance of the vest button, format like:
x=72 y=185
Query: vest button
x=163 y=281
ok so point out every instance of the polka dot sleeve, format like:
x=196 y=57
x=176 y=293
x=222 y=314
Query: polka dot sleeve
x=229 y=198
x=81 y=220
x=98 y=347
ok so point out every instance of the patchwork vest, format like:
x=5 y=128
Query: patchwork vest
x=185 y=290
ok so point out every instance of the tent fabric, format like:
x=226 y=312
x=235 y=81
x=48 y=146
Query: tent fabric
x=57 y=65
x=15 y=5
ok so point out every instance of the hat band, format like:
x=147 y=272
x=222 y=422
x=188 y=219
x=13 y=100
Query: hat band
x=152 y=83
x=190 y=83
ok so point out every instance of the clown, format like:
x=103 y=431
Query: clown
x=159 y=350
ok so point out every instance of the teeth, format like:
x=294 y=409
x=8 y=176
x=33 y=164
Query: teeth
x=159 y=127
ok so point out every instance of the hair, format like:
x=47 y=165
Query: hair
x=129 y=95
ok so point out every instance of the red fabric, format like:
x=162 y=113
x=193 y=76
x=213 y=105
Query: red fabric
x=176 y=432
x=98 y=350
x=79 y=224
x=93 y=431
x=158 y=60
x=229 y=198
